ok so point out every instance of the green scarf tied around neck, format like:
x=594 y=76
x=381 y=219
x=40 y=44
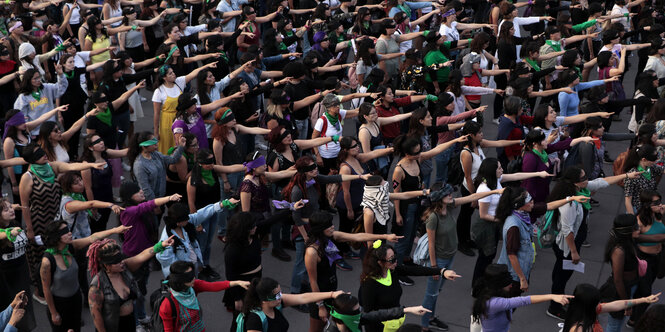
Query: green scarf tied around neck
x=44 y=172
x=79 y=197
x=556 y=45
x=187 y=299
x=406 y=9
x=64 y=253
x=542 y=154
x=207 y=176
x=587 y=193
x=351 y=321
x=105 y=117
x=533 y=64
x=647 y=172
x=333 y=120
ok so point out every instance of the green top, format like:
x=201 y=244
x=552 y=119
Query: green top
x=445 y=242
x=582 y=26
x=437 y=57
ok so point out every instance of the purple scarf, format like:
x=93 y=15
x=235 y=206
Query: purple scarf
x=332 y=252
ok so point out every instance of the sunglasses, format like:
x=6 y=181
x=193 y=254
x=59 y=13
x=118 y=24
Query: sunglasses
x=656 y=202
x=391 y=261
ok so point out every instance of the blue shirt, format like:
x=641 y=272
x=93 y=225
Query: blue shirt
x=4 y=320
x=569 y=103
x=224 y=7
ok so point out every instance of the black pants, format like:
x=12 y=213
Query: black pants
x=328 y=165
x=69 y=309
x=346 y=225
x=645 y=284
x=100 y=224
x=464 y=222
x=82 y=260
x=560 y=276
x=481 y=264
x=501 y=83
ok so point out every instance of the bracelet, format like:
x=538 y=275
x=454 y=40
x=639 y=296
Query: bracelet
x=319 y=304
x=567 y=198
x=331 y=294
x=626 y=176
x=443 y=271
x=158 y=247
x=111 y=206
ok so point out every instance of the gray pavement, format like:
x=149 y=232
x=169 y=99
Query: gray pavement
x=454 y=304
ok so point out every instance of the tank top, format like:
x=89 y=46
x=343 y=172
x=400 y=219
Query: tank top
x=374 y=141
x=356 y=190
x=231 y=153
x=18 y=152
x=76 y=15
x=207 y=193
x=326 y=275
x=64 y=283
x=101 y=186
x=657 y=227
x=410 y=183
x=115 y=12
x=475 y=164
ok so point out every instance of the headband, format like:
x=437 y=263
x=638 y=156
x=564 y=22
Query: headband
x=173 y=49
x=149 y=142
x=522 y=201
x=16 y=26
x=256 y=163
x=16 y=120
x=307 y=168
x=273 y=297
x=95 y=142
x=226 y=118
x=319 y=227
x=182 y=277
x=114 y=259
x=164 y=69
x=62 y=231
x=449 y=13
x=283 y=135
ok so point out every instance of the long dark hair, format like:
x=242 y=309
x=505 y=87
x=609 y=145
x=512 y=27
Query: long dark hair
x=487 y=173
x=203 y=89
x=636 y=154
x=92 y=22
x=471 y=128
x=133 y=148
x=368 y=58
x=504 y=33
x=195 y=177
x=485 y=288
x=540 y=114
x=507 y=202
x=345 y=145
x=404 y=144
x=621 y=237
x=582 y=308
x=43 y=139
x=299 y=179
x=645 y=213
x=371 y=267
x=645 y=84
x=238 y=229
x=259 y=289
x=26 y=87
x=416 y=129
x=316 y=234
x=176 y=213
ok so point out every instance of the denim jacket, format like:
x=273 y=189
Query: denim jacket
x=525 y=255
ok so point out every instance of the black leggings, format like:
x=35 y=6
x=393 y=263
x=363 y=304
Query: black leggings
x=560 y=276
x=645 y=284
x=464 y=222
x=69 y=309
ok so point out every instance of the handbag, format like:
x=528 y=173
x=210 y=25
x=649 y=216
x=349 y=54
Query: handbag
x=641 y=266
x=421 y=254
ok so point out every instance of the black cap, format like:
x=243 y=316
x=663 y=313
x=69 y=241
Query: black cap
x=127 y=190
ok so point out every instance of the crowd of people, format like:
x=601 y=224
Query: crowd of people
x=275 y=119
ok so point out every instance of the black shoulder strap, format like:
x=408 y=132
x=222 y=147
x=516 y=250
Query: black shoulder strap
x=51 y=259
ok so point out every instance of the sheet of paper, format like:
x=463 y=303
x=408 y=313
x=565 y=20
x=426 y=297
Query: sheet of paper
x=568 y=265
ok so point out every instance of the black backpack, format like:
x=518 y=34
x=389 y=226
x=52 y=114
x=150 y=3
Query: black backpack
x=156 y=298
x=455 y=171
x=573 y=158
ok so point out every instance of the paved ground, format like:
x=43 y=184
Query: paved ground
x=454 y=305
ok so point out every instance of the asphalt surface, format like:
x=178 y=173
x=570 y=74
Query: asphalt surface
x=454 y=303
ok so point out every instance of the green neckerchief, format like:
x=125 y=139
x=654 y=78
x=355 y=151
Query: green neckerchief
x=251 y=29
x=386 y=281
x=333 y=120
x=64 y=253
x=187 y=298
x=533 y=64
x=543 y=155
x=69 y=75
x=288 y=33
x=79 y=197
x=647 y=172
x=37 y=95
x=44 y=172
x=366 y=25
x=352 y=322
x=579 y=72
x=223 y=55
x=207 y=175
x=556 y=46
x=282 y=46
x=405 y=9
x=587 y=193
x=105 y=117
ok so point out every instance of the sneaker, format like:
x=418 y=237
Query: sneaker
x=630 y=324
x=607 y=159
x=467 y=251
x=281 y=255
x=145 y=321
x=436 y=323
x=39 y=299
x=405 y=281
x=212 y=273
x=351 y=255
x=495 y=121
x=343 y=265
x=594 y=202
x=559 y=314
x=586 y=244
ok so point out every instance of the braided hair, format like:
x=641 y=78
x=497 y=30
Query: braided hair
x=99 y=249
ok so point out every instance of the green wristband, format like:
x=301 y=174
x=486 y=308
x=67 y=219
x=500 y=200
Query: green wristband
x=228 y=205
x=335 y=138
x=626 y=14
x=470 y=39
x=158 y=247
x=426 y=32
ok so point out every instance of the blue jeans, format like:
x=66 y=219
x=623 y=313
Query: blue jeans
x=303 y=128
x=205 y=237
x=441 y=161
x=234 y=179
x=615 y=324
x=299 y=272
x=408 y=230
x=433 y=289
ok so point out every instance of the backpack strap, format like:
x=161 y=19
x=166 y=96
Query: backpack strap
x=51 y=259
x=174 y=310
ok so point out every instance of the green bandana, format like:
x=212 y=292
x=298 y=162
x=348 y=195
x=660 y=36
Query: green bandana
x=556 y=46
x=331 y=119
x=64 y=253
x=149 y=142
x=351 y=321
x=37 y=95
x=208 y=176
x=105 y=117
x=647 y=172
x=168 y=57
x=69 y=75
x=533 y=64
x=543 y=155
x=366 y=25
x=224 y=56
x=386 y=281
x=282 y=46
x=79 y=197
x=405 y=9
x=579 y=72
x=44 y=172
x=187 y=299
x=587 y=193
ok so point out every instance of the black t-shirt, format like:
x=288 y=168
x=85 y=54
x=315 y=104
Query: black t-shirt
x=104 y=131
x=277 y=324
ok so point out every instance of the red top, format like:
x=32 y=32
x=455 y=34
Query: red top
x=517 y=134
x=392 y=130
x=192 y=316
x=253 y=28
x=473 y=80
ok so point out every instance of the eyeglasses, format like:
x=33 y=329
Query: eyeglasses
x=250 y=13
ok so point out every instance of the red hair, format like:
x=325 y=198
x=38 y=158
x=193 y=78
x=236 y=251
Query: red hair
x=300 y=179
x=275 y=140
x=219 y=132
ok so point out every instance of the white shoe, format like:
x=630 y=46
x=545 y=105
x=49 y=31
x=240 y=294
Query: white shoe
x=145 y=321
x=41 y=300
x=140 y=328
x=495 y=121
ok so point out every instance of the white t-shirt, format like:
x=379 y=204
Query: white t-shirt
x=451 y=32
x=493 y=199
x=331 y=149
x=174 y=92
x=620 y=10
x=80 y=61
x=616 y=49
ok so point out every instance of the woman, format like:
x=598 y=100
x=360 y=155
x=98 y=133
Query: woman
x=585 y=307
x=29 y=59
x=97 y=38
x=98 y=182
x=388 y=43
x=437 y=55
x=132 y=41
x=320 y=257
x=165 y=101
x=367 y=59
x=59 y=272
x=406 y=177
x=281 y=108
x=369 y=134
x=41 y=194
x=471 y=157
x=509 y=14
x=611 y=65
x=572 y=221
x=255 y=197
x=569 y=102
x=189 y=116
x=264 y=302
x=308 y=184
x=387 y=106
x=441 y=231
x=485 y=224
x=113 y=289
x=647 y=87
x=656 y=61
x=181 y=227
x=640 y=159
x=14 y=271
x=54 y=141
x=535 y=158
x=16 y=136
x=493 y=303
x=649 y=219
x=249 y=15
x=36 y=98
x=183 y=288
x=380 y=290
x=149 y=165
x=475 y=75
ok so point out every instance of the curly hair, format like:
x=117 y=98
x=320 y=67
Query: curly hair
x=371 y=267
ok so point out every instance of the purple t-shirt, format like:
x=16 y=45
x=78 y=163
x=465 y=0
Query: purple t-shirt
x=137 y=239
x=195 y=126
x=499 y=312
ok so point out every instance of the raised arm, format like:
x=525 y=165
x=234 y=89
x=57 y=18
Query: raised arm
x=86 y=241
x=524 y=175
x=474 y=197
x=442 y=147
